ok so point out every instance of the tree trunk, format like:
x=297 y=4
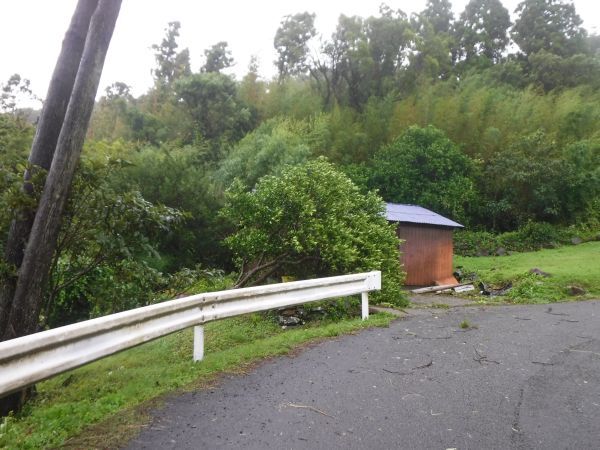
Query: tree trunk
x=37 y=259
x=44 y=143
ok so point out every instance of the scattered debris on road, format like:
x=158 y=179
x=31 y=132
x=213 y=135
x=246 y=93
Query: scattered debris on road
x=424 y=366
x=480 y=358
x=549 y=311
x=312 y=408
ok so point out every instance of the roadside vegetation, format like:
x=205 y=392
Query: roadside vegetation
x=568 y=272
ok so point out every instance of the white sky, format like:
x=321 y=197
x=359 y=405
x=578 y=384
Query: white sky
x=31 y=32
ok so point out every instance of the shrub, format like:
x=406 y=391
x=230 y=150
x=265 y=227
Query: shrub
x=311 y=221
x=474 y=243
x=530 y=237
x=424 y=167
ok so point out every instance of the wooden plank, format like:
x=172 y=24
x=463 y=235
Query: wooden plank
x=438 y=288
x=465 y=288
x=433 y=289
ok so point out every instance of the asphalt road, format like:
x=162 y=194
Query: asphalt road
x=525 y=377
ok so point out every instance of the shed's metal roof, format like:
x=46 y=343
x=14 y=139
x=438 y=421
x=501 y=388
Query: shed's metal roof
x=395 y=212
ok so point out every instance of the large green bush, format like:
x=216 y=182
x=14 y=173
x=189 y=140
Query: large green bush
x=311 y=221
x=266 y=150
x=424 y=167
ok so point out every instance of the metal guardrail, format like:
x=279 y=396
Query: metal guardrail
x=29 y=359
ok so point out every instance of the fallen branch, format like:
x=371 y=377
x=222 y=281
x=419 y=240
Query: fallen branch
x=295 y=405
x=410 y=333
x=436 y=337
x=542 y=363
x=482 y=358
x=549 y=311
x=396 y=372
x=429 y=364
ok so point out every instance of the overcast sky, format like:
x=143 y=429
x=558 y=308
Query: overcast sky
x=31 y=32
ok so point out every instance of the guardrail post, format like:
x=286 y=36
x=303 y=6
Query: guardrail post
x=365 y=305
x=198 y=343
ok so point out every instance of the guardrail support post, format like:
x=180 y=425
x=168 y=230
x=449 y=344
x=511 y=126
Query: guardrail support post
x=365 y=305
x=198 y=343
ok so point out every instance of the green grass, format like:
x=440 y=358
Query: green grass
x=104 y=403
x=569 y=265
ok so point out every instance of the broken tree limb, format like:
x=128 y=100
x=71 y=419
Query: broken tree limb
x=296 y=405
x=482 y=358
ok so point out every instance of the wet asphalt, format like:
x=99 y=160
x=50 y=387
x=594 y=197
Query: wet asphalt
x=522 y=377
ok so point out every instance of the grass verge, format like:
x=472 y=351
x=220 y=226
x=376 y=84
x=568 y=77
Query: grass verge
x=568 y=266
x=104 y=403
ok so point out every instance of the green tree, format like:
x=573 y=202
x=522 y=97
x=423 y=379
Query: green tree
x=110 y=118
x=552 y=71
x=439 y=14
x=549 y=25
x=431 y=52
x=266 y=151
x=217 y=58
x=389 y=36
x=311 y=221
x=14 y=88
x=350 y=46
x=252 y=90
x=424 y=167
x=170 y=64
x=212 y=103
x=291 y=42
x=179 y=178
x=294 y=98
x=482 y=30
x=15 y=139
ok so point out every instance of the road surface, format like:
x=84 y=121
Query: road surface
x=522 y=377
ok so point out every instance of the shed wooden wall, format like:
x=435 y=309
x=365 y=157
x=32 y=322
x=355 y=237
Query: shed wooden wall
x=426 y=253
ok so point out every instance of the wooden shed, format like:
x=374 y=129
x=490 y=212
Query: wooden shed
x=427 y=250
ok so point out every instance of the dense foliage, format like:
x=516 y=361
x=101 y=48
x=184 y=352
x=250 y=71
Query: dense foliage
x=311 y=220
x=423 y=167
x=491 y=122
